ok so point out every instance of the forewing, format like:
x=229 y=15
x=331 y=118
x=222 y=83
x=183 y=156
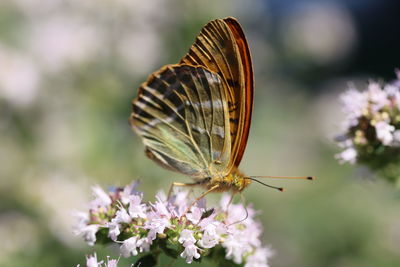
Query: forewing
x=222 y=48
x=182 y=116
x=246 y=99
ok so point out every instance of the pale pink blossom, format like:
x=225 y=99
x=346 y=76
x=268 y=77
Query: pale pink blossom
x=186 y=236
x=384 y=132
x=259 y=258
x=129 y=247
x=102 y=199
x=190 y=252
x=378 y=98
x=111 y=262
x=156 y=226
x=128 y=192
x=348 y=155
x=211 y=236
x=198 y=229
x=88 y=232
x=354 y=103
x=113 y=230
x=136 y=208
x=371 y=121
x=195 y=214
x=91 y=261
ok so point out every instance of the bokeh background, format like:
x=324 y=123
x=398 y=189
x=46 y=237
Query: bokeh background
x=69 y=69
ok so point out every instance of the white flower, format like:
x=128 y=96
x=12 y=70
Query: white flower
x=190 y=252
x=236 y=213
x=102 y=199
x=194 y=215
x=236 y=246
x=161 y=209
x=377 y=96
x=91 y=261
x=240 y=236
x=161 y=196
x=82 y=219
x=354 y=102
x=391 y=90
x=224 y=202
x=259 y=258
x=384 y=132
x=178 y=204
x=113 y=230
x=186 y=236
x=128 y=192
x=88 y=232
x=129 y=247
x=243 y=236
x=144 y=244
x=136 y=209
x=210 y=236
x=121 y=216
x=111 y=262
x=156 y=226
x=348 y=155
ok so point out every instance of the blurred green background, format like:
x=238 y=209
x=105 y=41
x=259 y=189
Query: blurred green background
x=69 y=69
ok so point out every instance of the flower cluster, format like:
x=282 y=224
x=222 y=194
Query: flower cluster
x=175 y=225
x=372 y=125
x=91 y=261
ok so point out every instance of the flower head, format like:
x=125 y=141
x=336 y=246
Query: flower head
x=91 y=261
x=190 y=252
x=176 y=223
x=372 y=128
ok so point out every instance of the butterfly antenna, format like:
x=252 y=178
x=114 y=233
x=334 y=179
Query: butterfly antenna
x=270 y=186
x=286 y=177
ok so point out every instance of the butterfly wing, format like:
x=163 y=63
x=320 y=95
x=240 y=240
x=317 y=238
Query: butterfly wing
x=221 y=47
x=181 y=114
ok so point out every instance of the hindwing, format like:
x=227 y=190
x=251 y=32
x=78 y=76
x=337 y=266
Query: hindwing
x=182 y=115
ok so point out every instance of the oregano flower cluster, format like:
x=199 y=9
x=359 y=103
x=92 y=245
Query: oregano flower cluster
x=175 y=225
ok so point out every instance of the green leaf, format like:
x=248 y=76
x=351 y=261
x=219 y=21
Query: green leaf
x=149 y=260
x=102 y=236
x=217 y=256
x=171 y=252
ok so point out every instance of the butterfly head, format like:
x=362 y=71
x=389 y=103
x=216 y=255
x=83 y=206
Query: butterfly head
x=236 y=181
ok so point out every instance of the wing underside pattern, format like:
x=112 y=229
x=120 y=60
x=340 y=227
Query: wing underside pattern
x=222 y=48
x=182 y=115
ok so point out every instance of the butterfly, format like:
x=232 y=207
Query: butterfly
x=194 y=117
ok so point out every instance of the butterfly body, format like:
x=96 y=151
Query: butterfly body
x=194 y=116
x=234 y=182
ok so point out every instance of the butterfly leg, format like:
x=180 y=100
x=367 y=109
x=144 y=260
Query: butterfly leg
x=179 y=184
x=231 y=200
x=201 y=196
x=245 y=209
